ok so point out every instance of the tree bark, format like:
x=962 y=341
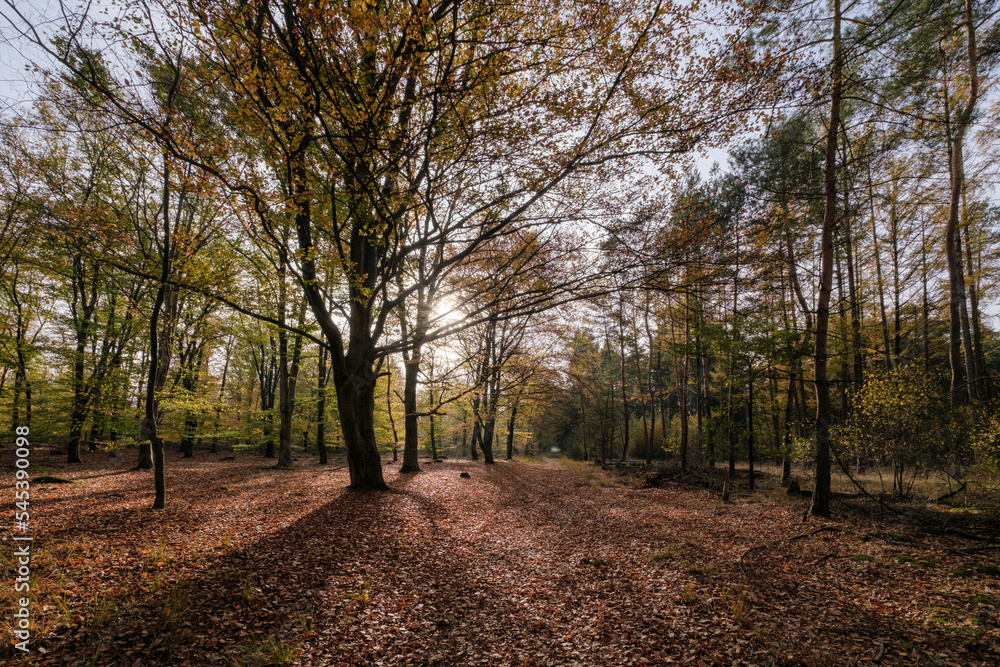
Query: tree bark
x=621 y=350
x=321 y=381
x=352 y=364
x=288 y=384
x=880 y=284
x=649 y=387
x=410 y=419
x=821 y=493
x=750 y=434
x=83 y=305
x=971 y=367
x=392 y=421
x=983 y=383
x=857 y=377
x=682 y=396
x=786 y=463
x=510 y=427
x=956 y=165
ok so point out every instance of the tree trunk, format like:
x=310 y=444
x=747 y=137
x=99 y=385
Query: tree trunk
x=491 y=419
x=83 y=312
x=268 y=385
x=621 y=349
x=356 y=399
x=707 y=385
x=844 y=378
x=786 y=463
x=392 y=421
x=750 y=433
x=649 y=389
x=926 y=306
x=971 y=370
x=894 y=222
x=852 y=293
x=433 y=435
x=983 y=384
x=821 y=493
x=510 y=428
x=956 y=165
x=682 y=394
x=352 y=361
x=321 y=381
x=190 y=371
x=880 y=284
x=772 y=386
x=410 y=419
x=288 y=399
x=148 y=428
x=222 y=392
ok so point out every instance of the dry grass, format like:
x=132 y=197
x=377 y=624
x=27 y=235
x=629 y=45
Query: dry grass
x=927 y=487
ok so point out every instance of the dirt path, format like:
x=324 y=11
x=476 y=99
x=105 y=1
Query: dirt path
x=523 y=564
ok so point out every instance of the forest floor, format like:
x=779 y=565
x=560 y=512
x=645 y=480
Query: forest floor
x=525 y=563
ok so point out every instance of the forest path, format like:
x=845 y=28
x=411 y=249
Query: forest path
x=550 y=563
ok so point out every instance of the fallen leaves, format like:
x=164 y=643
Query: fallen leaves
x=518 y=565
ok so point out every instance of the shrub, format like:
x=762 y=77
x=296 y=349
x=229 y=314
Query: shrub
x=897 y=417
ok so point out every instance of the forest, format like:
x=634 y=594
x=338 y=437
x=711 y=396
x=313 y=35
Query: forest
x=500 y=332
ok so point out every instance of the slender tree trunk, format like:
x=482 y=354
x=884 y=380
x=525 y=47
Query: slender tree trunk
x=410 y=430
x=983 y=384
x=510 y=427
x=897 y=314
x=683 y=392
x=22 y=382
x=957 y=168
x=707 y=383
x=392 y=421
x=821 y=492
x=750 y=433
x=971 y=370
x=880 y=284
x=772 y=386
x=649 y=388
x=284 y=418
x=621 y=351
x=288 y=399
x=857 y=376
x=411 y=369
x=190 y=384
x=491 y=418
x=698 y=396
x=321 y=382
x=267 y=389
x=222 y=393
x=786 y=463
x=926 y=308
x=84 y=305
x=844 y=378
x=148 y=427
x=434 y=452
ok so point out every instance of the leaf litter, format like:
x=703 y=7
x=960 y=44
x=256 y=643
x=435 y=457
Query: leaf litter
x=520 y=565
